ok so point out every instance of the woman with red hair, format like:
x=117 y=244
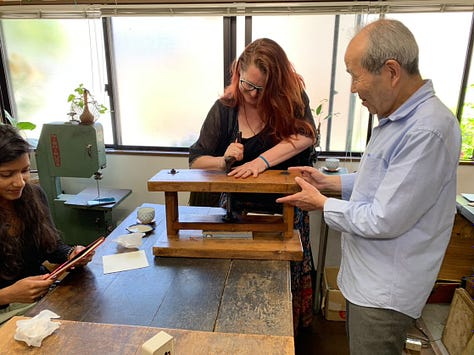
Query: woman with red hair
x=263 y=121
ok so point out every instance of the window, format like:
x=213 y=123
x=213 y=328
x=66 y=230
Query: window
x=441 y=60
x=169 y=71
x=47 y=60
x=467 y=120
x=313 y=56
x=163 y=73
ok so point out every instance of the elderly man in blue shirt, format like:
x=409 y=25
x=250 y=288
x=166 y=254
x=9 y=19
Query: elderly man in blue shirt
x=397 y=210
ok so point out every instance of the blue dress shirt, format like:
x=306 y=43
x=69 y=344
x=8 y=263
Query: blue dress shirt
x=398 y=210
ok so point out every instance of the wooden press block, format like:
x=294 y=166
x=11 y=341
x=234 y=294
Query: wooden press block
x=160 y=344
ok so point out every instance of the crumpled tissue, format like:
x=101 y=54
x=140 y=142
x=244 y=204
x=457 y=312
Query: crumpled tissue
x=131 y=240
x=33 y=331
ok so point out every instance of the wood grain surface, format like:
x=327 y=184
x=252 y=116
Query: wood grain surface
x=183 y=293
x=84 y=338
x=459 y=258
x=270 y=181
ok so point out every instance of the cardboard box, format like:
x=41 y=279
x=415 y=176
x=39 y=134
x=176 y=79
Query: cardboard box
x=457 y=334
x=334 y=303
x=470 y=286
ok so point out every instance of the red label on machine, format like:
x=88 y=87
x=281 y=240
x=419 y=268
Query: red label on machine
x=55 y=150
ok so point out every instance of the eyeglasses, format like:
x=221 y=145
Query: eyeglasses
x=248 y=86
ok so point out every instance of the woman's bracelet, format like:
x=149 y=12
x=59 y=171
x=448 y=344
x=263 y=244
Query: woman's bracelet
x=265 y=160
x=70 y=252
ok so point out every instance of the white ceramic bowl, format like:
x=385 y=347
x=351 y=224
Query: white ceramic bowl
x=146 y=215
x=332 y=163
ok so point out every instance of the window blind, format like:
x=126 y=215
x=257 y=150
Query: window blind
x=87 y=9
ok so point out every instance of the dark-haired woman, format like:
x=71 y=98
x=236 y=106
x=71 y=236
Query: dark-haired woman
x=263 y=120
x=28 y=237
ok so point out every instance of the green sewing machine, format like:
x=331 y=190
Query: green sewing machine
x=70 y=149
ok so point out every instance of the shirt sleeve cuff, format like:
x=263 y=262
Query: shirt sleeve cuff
x=334 y=210
x=347 y=183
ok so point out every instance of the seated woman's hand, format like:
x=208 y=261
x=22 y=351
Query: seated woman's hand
x=83 y=261
x=27 y=290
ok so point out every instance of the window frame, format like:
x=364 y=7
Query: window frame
x=229 y=45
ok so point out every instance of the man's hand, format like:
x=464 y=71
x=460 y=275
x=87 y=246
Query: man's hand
x=308 y=199
x=318 y=179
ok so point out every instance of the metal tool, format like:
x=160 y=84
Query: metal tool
x=229 y=161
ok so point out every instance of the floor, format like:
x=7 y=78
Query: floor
x=329 y=337
x=323 y=337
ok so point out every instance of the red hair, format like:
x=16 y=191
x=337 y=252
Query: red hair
x=280 y=103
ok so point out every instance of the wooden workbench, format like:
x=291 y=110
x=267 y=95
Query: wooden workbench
x=91 y=338
x=458 y=261
x=215 y=295
x=273 y=235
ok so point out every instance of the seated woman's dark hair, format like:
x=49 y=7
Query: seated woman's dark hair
x=12 y=145
x=34 y=228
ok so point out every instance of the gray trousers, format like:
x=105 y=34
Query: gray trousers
x=376 y=330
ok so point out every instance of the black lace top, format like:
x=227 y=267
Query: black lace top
x=220 y=128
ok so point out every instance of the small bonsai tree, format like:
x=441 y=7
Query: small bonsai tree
x=78 y=102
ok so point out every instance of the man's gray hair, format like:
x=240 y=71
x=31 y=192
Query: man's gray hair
x=390 y=39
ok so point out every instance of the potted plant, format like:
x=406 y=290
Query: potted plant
x=319 y=117
x=85 y=105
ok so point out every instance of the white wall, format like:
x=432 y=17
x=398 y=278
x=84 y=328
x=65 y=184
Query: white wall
x=133 y=171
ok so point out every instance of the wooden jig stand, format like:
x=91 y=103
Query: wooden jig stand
x=274 y=236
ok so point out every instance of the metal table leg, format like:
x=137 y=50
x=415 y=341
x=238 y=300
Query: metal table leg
x=323 y=239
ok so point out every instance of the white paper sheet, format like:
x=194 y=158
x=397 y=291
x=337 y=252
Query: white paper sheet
x=124 y=261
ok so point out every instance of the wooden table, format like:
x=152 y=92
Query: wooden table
x=215 y=295
x=273 y=236
x=84 y=338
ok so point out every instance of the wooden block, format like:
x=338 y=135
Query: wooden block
x=458 y=331
x=161 y=344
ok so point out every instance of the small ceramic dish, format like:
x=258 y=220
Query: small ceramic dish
x=140 y=228
x=331 y=170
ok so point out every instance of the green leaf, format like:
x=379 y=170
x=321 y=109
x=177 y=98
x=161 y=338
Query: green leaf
x=25 y=126
x=319 y=108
